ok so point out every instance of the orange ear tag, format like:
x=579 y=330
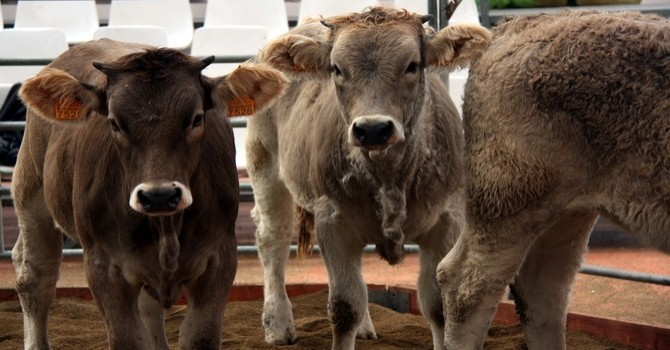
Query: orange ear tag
x=68 y=109
x=241 y=106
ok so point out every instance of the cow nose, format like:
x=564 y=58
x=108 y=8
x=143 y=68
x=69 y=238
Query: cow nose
x=373 y=134
x=160 y=199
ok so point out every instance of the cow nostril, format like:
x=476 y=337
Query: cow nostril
x=360 y=134
x=176 y=198
x=386 y=132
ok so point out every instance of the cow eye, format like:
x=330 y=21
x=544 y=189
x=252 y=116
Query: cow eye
x=197 y=121
x=412 y=68
x=336 y=70
x=114 y=125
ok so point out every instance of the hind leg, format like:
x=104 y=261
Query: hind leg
x=475 y=273
x=273 y=214
x=542 y=288
x=36 y=257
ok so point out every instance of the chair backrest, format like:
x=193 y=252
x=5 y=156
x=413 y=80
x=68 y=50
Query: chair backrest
x=173 y=15
x=230 y=40
x=467 y=11
x=78 y=19
x=270 y=14
x=415 y=6
x=143 y=34
x=327 y=8
x=26 y=43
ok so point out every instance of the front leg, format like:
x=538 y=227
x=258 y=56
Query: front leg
x=273 y=214
x=434 y=245
x=117 y=301
x=348 y=295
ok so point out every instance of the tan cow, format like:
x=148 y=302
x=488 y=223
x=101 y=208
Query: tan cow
x=567 y=116
x=367 y=140
x=127 y=149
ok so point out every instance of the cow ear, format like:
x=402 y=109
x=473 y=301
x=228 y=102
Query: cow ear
x=57 y=96
x=298 y=55
x=456 y=45
x=247 y=90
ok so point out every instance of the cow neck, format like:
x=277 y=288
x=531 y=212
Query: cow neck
x=168 y=256
x=389 y=177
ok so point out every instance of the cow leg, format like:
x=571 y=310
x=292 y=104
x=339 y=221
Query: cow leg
x=542 y=288
x=117 y=301
x=348 y=295
x=475 y=273
x=273 y=214
x=153 y=317
x=203 y=324
x=36 y=256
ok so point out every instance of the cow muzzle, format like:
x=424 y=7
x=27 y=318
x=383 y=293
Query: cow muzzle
x=375 y=133
x=160 y=199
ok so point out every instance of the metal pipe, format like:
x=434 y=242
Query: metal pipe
x=414 y=249
x=625 y=275
x=47 y=61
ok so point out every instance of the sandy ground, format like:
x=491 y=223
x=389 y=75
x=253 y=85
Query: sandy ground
x=76 y=324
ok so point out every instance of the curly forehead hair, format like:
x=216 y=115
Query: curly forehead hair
x=375 y=16
x=153 y=63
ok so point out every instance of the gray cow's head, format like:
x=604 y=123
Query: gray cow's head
x=377 y=61
x=156 y=104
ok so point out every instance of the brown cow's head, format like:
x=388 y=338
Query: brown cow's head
x=155 y=103
x=377 y=61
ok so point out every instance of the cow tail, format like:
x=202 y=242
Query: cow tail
x=305 y=223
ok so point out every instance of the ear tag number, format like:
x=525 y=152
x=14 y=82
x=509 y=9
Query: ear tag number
x=241 y=106
x=68 y=109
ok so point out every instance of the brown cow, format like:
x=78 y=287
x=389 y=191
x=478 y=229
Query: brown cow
x=566 y=117
x=127 y=149
x=367 y=140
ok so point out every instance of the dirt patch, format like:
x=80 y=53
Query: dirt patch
x=76 y=324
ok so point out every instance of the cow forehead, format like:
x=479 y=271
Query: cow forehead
x=375 y=45
x=156 y=100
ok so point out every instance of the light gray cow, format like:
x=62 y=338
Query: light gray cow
x=567 y=116
x=367 y=141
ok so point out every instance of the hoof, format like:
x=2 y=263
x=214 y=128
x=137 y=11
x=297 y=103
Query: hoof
x=287 y=337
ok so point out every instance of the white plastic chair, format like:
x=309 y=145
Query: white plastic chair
x=173 y=15
x=327 y=8
x=142 y=34
x=232 y=40
x=229 y=40
x=29 y=43
x=78 y=19
x=270 y=14
x=415 y=6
